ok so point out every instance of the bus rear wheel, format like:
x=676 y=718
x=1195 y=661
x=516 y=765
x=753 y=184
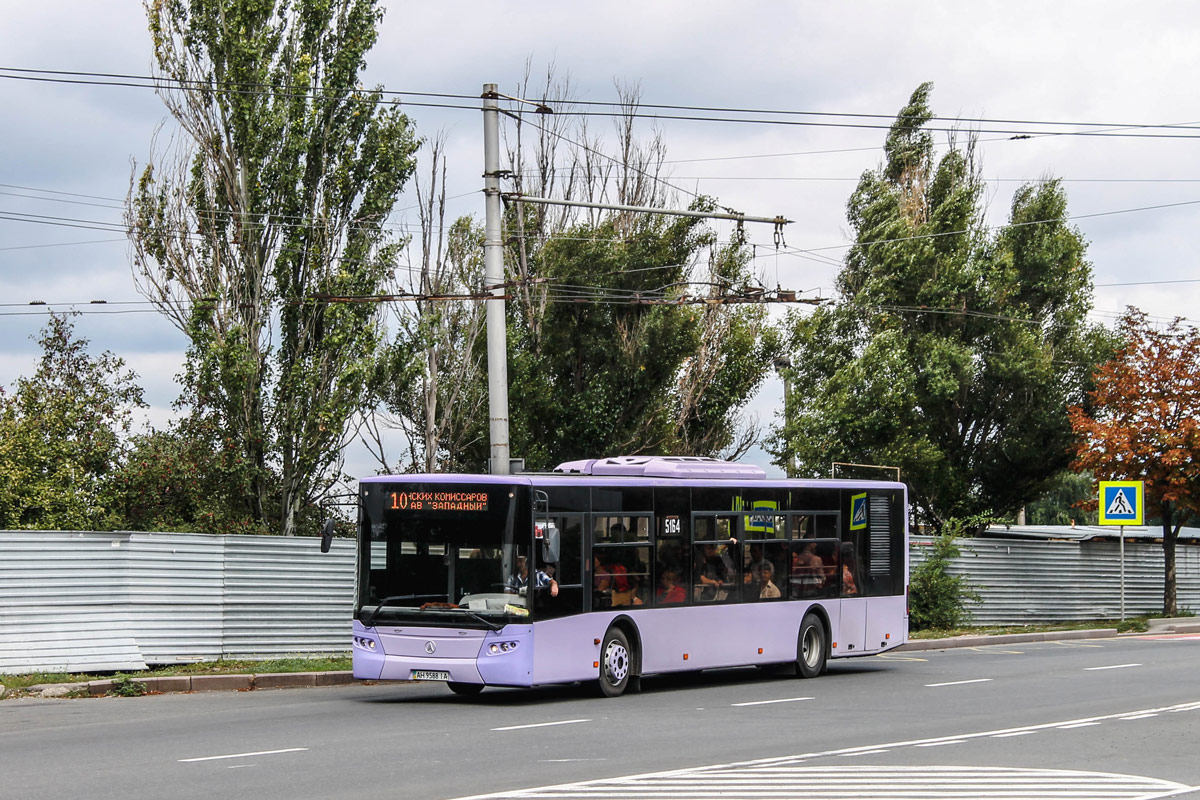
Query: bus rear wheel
x=468 y=689
x=811 y=648
x=616 y=663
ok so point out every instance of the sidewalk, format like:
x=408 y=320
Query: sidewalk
x=1005 y=638
x=197 y=683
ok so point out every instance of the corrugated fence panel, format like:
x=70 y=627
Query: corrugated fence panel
x=63 y=597
x=176 y=595
x=283 y=596
x=1023 y=581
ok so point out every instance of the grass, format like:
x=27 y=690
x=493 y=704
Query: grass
x=16 y=683
x=1128 y=625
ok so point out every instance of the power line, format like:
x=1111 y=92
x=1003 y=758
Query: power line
x=60 y=244
x=624 y=109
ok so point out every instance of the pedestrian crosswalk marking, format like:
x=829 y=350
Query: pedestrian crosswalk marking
x=790 y=777
x=863 y=783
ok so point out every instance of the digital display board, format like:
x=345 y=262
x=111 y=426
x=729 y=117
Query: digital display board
x=435 y=500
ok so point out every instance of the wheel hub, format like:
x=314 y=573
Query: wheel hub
x=616 y=662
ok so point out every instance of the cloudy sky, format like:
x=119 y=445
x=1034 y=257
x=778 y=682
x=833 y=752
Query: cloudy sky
x=1099 y=67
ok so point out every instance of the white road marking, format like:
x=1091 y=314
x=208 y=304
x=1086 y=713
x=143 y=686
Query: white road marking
x=541 y=724
x=1140 y=716
x=769 y=702
x=942 y=743
x=890 y=657
x=1014 y=733
x=707 y=781
x=244 y=755
x=958 y=683
x=863 y=783
x=1113 y=666
x=1077 y=725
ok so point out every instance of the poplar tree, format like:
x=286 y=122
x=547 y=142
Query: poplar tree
x=952 y=351
x=271 y=198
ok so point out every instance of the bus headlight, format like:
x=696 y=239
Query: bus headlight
x=365 y=643
x=496 y=648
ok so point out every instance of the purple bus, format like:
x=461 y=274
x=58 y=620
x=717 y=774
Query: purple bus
x=607 y=570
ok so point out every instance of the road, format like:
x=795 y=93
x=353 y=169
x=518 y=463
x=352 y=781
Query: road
x=1084 y=719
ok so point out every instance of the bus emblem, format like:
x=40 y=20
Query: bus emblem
x=430 y=648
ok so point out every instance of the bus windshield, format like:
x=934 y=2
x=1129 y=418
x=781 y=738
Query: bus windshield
x=445 y=554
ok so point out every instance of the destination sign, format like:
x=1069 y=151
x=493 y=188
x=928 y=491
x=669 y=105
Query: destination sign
x=438 y=501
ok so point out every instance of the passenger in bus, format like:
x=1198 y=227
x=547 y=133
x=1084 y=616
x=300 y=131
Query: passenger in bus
x=808 y=570
x=519 y=582
x=766 y=587
x=608 y=577
x=754 y=564
x=715 y=572
x=635 y=593
x=849 y=585
x=671 y=591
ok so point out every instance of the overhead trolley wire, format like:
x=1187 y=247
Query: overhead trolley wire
x=1030 y=127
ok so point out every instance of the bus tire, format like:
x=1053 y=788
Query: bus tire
x=616 y=663
x=466 y=689
x=811 y=647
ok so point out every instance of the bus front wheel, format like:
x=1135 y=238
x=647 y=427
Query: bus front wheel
x=616 y=663
x=811 y=648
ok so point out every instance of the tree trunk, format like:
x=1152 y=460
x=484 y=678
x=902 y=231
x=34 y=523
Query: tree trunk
x=1170 y=534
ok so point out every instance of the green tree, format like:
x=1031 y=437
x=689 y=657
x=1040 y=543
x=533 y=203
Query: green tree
x=604 y=368
x=952 y=352
x=62 y=436
x=271 y=205
x=430 y=379
x=1064 y=500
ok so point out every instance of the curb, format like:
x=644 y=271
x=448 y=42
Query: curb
x=173 y=684
x=1005 y=638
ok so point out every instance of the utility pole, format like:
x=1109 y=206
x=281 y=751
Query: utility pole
x=783 y=366
x=493 y=280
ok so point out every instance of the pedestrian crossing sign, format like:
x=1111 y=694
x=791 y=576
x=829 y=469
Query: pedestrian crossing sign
x=858 y=511
x=1122 y=502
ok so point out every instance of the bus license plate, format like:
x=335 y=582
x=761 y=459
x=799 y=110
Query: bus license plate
x=430 y=675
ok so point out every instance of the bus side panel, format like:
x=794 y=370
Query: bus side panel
x=887 y=625
x=851 y=634
x=567 y=648
x=720 y=636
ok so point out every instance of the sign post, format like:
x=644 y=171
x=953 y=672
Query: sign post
x=1122 y=503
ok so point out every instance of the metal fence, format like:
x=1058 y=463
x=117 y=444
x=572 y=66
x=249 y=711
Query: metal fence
x=121 y=601
x=1024 y=581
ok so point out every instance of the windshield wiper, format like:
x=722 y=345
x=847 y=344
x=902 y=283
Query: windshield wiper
x=369 y=617
x=493 y=626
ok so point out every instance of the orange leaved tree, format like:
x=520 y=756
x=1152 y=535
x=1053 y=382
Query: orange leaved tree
x=1144 y=424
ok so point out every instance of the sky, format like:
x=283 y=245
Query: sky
x=1101 y=67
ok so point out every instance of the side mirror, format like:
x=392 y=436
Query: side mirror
x=550 y=544
x=327 y=536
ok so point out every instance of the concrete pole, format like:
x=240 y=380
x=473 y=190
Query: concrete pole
x=493 y=279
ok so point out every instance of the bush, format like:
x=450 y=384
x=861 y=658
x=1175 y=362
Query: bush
x=936 y=598
x=125 y=686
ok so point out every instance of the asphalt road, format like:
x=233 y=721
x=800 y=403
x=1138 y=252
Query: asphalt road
x=1098 y=718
